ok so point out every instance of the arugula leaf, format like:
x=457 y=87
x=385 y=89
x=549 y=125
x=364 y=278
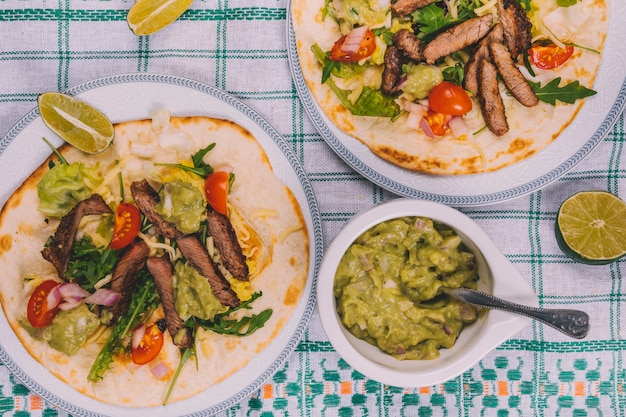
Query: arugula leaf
x=526 y=4
x=89 y=264
x=552 y=92
x=243 y=327
x=200 y=168
x=56 y=152
x=185 y=355
x=454 y=74
x=341 y=70
x=431 y=19
x=385 y=34
x=144 y=299
x=566 y=3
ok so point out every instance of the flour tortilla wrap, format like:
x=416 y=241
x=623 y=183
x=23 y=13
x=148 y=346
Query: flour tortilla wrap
x=267 y=206
x=531 y=129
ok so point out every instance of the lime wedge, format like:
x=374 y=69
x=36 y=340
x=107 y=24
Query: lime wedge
x=76 y=122
x=591 y=227
x=149 y=16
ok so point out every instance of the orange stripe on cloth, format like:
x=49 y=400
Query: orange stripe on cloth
x=345 y=387
x=36 y=403
x=579 y=389
x=503 y=388
x=268 y=391
x=425 y=390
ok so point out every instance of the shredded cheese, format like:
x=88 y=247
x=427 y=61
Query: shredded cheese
x=154 y=245
x=486 y=8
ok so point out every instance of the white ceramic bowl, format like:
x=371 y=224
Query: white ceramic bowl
x=497 y=276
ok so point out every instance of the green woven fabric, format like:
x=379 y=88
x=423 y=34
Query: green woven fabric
x=240 y=46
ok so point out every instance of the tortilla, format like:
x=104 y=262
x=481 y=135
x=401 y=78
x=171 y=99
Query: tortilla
x=266 y=205
x=531 y=129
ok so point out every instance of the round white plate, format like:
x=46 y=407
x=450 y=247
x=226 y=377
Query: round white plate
x=592 y=123
x=133 y=97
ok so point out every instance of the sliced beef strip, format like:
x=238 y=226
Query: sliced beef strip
x=489 y=98
x=146 y=198
x=408 y=44
x=195 y=252
x=404 y=7
x=392 y=71
x=226 y=242
x=162 y=271
x=511 y=75
x=60 y=246
x=125 y=275
x=457 y=37
x=515 y=25
x=470 y=82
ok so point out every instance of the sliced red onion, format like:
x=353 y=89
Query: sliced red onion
x=413 y=120
x=54 y=297
x=353 y=39
x=138 y=334
x=458 y=126
x=103 y=297
x=414 y=107
x=71 y=290
x=426 y=128
x=69 y=303
x=160 y=370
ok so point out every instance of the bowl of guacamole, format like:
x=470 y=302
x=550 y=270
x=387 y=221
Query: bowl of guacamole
x=381 y=293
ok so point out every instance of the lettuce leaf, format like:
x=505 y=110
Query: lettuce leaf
x=65 y=185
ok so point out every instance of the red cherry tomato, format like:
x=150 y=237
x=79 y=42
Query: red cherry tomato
x=127 y=225
x=449 y=98
x=438 y=122
x=216 y=191
x=366 y=48
x=39 y=313
x=549 y=56
x=149 y=346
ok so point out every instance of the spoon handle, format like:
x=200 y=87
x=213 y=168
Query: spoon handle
x=574 y=323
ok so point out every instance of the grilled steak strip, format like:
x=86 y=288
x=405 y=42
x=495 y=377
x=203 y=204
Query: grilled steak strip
x=161 y=270
x=225 y=240
x=404 y=7
x=515 y=25
x=197 y=255
x=392 y=71
x=125 y=274
x=408 y=43
x=470 y=82
x=490 y=100
x=457 y=37
x=511 y=75
x=60 y=246
x=146 y=199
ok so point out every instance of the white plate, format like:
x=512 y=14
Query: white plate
x=497 y=276
x=593 y=122
x=137 y=96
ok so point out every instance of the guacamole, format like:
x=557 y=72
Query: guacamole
x=388 y=282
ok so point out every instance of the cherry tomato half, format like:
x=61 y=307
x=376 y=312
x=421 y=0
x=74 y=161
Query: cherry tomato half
x=366 y=48
x=449 y=98
x=549 y=56
x=127 y=225
x=38 y=312
x=149 y=346
x=438 y=122
x=216 y=191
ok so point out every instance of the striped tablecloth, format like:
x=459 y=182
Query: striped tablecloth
x=240 y=46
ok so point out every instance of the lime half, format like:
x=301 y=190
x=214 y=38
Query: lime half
x=76 y=122
x=149 y=16
x=591 y=227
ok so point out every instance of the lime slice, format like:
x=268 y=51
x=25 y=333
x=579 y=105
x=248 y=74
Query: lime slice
x=591 y=227
x=76 y=122
x=149 y=16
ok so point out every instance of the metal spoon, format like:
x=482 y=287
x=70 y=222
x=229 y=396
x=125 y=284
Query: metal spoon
x=574 y=323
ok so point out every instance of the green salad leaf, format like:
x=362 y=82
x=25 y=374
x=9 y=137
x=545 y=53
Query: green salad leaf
x=569 y=93
x=144 y=299
x=89 y=264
